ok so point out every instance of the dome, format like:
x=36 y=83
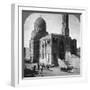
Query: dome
x=40 y=25
x=39 y=29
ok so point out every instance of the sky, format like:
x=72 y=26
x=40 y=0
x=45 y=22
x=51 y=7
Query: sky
x=53 y=25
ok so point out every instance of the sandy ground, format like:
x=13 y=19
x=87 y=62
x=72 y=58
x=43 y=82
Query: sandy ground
x=56 y=71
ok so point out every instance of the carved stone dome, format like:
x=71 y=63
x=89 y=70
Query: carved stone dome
x=40 y=25
x=39 y=28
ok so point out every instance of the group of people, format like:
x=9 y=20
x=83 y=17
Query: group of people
x=41 y=67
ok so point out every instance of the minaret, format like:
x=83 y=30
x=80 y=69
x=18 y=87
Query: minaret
x=65 y=24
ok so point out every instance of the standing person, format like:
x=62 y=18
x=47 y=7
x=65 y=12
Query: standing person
x=42 y=69
x=38 y=66
x=34 y=68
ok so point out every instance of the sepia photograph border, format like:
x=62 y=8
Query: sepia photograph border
x=17 y=45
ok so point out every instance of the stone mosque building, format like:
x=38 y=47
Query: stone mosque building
x=47 y=48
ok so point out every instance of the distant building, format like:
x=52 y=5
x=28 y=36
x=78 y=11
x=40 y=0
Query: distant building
x=26 y=53
x=47 y=48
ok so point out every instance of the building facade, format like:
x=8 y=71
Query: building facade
x=47 y=48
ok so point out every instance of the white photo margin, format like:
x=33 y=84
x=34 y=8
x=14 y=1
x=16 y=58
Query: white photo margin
x=16 y=52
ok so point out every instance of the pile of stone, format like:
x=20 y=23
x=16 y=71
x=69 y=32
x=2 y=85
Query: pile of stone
x=70 y=63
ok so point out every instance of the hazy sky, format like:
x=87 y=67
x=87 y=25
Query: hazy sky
x=53 y=25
